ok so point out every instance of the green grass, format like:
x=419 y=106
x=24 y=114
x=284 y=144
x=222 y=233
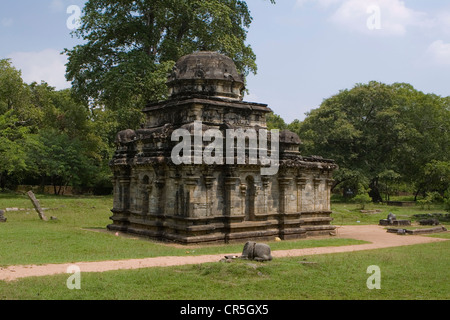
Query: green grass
x=349 y=213
x=407 y=273
x=74 y=237
x=411 y=272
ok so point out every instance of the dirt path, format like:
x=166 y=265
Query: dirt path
x=377 y=235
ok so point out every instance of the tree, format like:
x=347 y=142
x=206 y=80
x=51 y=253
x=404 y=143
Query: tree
x=64 y=160
x=17 y=118
x=12 y=149
x=426 y=120
x=388 y=178
x=274 y=121
x=436 y=176
x=359 y=129
x=46 y=135
x=132 y=45
x=378 y=132
x=66 y=150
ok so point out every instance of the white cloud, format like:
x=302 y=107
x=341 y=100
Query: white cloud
x=47 y=65
x=439 y=53
x=321 y=3
x=393 y=15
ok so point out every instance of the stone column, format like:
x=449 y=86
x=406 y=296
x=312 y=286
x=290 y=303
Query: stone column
x=124 y=192
x=191 y=182
x=230 y=184
x=265 y=180
x=146 y=200
x=135 y=193
x=209 y=182
x=329 y=185
x=283 y=183
x=116 y=193
x=316 y=182
x=160 y=183
x=243 y=194
x=301 y=183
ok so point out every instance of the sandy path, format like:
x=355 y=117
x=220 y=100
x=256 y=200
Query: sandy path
x=377 y=235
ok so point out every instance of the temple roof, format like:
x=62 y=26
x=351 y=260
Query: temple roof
x=208 y=73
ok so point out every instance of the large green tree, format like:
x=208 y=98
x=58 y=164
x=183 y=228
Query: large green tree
x=131 y=45
x=17 y=118
x=46 y=136
x=66 y=149
x=379 y=133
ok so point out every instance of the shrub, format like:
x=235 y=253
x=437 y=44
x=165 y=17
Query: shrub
x=430 y=198
x=362 y=200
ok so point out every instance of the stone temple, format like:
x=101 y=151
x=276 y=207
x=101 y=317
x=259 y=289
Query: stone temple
x=201 y=202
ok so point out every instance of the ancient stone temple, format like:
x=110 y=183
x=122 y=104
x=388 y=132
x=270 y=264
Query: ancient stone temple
x=200 y=201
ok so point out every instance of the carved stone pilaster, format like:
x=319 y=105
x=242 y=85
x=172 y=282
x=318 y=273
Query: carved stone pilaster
x=317 y=182
x=283 y=183
x=301 y=183
x=265 y=180
x=209 y=181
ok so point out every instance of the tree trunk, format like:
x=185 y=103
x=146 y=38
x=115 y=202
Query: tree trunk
x=2 y=181
x=375 y=192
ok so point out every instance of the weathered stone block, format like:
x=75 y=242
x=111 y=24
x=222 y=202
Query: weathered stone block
x=2 y=217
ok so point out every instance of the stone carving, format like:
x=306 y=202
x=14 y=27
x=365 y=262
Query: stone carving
x=2 y=217
x=256 y=251
x=391 y=220
x=125 y=136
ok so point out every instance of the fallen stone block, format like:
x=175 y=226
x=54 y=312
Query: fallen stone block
x=401 y=223
x=2 y=217
x=428 y=230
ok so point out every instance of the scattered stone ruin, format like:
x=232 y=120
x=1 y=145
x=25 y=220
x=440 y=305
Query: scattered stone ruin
x=2 y=216
x=391 y=220
x=218 y=202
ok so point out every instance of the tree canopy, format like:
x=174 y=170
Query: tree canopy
x=46 y=137
x=130 y=46
x=380 y=133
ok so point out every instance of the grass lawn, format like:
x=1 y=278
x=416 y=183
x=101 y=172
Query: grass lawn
x=349 y=213
x=407 y=273
x=74 y=236
x=412 y=272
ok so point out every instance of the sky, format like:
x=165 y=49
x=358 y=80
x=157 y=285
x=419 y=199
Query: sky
x=307 y=50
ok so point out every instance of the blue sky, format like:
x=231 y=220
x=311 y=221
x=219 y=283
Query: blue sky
x=307 y=50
